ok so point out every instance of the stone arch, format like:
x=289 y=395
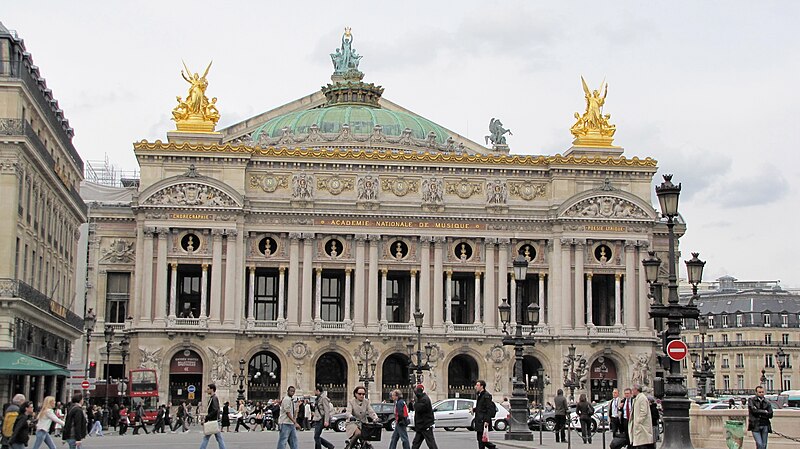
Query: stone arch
x=630 y=206
x=331 y=370
x=462 y=371
x=230 y=198
x=595 y=389
x=264 y=373
x=178 y=383
x=394 y=374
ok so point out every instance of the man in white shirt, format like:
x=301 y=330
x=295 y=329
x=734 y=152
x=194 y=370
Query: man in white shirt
x=287 y=422
x=613 y=412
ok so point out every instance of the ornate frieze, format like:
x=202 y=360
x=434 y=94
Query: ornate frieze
x=118 y=251
x=190 y=194
x=302 y=187
x=464 y=188
x=606 y=207
x=432 y=194
x=335 y=184
x=527 y=190
x=367 y=188
x=400 y=186
x=496 y=192
x=269 y=182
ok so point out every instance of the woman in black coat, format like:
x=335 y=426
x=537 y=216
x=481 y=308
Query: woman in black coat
x=585 y=411
x=225 y=419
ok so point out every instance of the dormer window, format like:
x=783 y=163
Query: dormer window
x=767 y=320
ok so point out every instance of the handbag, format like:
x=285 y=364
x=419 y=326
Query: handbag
x=211 y=427
x=485 y=437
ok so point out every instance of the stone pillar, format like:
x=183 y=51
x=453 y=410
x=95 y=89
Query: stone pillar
x=477 y=318
x=26 y=386
x=489 y=299
x=580 y=312
x=360 y=283
x=293 y=299
x=308 y=272
x=217 y=301
x=384 y=286
x=425 y=278
x=629 y=299
x=251 y=294
x=542 y=315
x=512 y=301
x=54 y=385
x=554 y=292
x=372 y=300
x=173 y=290
x=40 y=393
x=347 y=296
x=281 y=293
x=642 y=301
x=448 y=308
x=203 y=290
x=318 y=296
x=161 y=277
x=566 y=284
x=412 y=306
x=617 y=299
x=438 y=281
x=502 y=272
x=145 y=310
x=235 y=255
x=589 y=301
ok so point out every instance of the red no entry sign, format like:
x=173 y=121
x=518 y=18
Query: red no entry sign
x=677 y=350
x=85 y=384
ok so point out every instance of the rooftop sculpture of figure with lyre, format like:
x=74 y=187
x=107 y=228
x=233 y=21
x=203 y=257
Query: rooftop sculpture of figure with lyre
x=346 y=59
x=592 y=128
x=196 y=113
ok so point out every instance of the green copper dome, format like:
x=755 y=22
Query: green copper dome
x=361 y=119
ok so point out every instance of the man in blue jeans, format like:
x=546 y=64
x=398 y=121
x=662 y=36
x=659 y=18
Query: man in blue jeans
x=212 y=414
x=759 y=412
x=287 y=421
x=322 y=418
x=400 y=421
x=74 y=429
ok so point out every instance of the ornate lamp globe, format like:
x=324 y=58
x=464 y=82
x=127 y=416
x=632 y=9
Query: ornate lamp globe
x=505 y=312
x=651 y=266
x=520 y=267
x=418 y=318
x=668 y=194
x=694 y=267
x=533 y=313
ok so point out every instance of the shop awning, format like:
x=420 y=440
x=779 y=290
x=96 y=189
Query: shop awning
x=13 y=362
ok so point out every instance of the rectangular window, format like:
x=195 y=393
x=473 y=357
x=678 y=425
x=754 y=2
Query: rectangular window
x=397 y=297
x=724 y=320
x=332 y=301
x=462 y=298
x=739 y=320
x=767 y=339
x=739 y=337
x=117 y=296
x=785 y=339
x=724 y=338
x=188 y=283
x=697 y=339
x=25 y=265
x=768 y=361
x=770 y=382
x=767 y=320
x=739 y=360
x=784 y=320
x=740 y=382
x=16 y=260
x=787 y=383
x=711 y=321
x=787 y=361
x=726 y=382
x=726 y=362
x=710 y=338
x=265 y=301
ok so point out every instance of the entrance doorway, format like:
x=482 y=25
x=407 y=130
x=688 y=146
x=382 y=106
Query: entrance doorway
x=395 y=375
x=461 y=376
x=264 y=377
x=603 y=375
x=186 y=374
x=533 y=375
x=331 y=372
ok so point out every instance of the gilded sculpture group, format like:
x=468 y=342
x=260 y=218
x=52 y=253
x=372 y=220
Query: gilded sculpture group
x=196 y=107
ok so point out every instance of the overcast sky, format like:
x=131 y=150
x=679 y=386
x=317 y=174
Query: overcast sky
x=709 y=89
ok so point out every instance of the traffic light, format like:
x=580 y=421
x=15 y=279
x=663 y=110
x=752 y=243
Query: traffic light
x=92 y=369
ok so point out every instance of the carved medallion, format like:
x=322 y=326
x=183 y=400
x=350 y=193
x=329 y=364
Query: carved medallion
x=119 y=251
x=335 y=184
x=463 y=188
x=269 y=182
x=299 y=351
x=527 y=190
x=400 y=186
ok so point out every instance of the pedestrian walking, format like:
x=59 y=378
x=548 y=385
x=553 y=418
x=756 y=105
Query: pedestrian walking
x=655 y=416
x=301 y=414
x=168 y=416
x=423 y=420
x=97 y=427
x=759 y=414
x=45 y=419
x=242 y=411
x=158 y=427
x=561 y=407
x=225 y=421
x=138 y=420
x=640 y=425
x=181 y=415
x=584 y=410
x=22 y=432
x=287 y=421
x=506 y=403
x=400 y=421
x=59 y=411
x=613 y=412
x=307 y=416
x=322 y=418
x=484 y=412
x=211 y=424
x=124 y=420
x=74 y=430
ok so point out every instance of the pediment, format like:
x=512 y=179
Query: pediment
x=607 y=206
x=195 y=191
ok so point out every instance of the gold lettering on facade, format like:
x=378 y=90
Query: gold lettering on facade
x=191 y=216
x=605 y=228
x=399 y=224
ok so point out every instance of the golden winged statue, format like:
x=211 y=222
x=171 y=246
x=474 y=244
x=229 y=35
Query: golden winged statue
x=592 y=128
x=196 y=113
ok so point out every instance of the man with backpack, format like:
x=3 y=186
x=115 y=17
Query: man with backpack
x=423 y=420
x=400 y=421
x=484 y=412
x=9 y=418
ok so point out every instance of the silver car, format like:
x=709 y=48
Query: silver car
x=454 y=413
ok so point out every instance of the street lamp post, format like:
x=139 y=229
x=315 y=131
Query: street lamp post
x=124 y=350
x=240 y=379
x=88 y=324
x=109 y=336
x=764 y=378
x=519 y=400
x=420 y=365
x=781 y=359
x=366 y=368
x=571 y=381
x=703 y=366
x=676 y=402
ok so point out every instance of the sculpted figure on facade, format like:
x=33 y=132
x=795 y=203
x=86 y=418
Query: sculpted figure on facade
x=302 y=187
x=641 y=368
x=346 y=58
x=497 y=132
x=367 y=188
x=119 y=251
x=190 y=194
x=196 y=112
x=223 y=370
x=606 y=207
x=432 y=191
x=496 y=192
x=593 y=121
x=150 y=358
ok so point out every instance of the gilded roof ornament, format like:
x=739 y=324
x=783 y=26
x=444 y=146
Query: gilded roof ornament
x=592 y=128
x=196 y=113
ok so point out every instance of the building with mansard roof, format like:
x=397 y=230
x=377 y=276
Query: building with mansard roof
x=289 y=239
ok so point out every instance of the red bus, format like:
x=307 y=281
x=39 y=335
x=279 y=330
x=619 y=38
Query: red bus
x=143 y=386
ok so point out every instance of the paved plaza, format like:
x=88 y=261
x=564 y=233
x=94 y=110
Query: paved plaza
x=459 y=439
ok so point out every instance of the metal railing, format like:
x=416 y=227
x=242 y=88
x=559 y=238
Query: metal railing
x=745 y=343
x=18 y=289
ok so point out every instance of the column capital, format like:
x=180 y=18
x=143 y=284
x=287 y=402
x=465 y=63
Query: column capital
x=503 y=242
x=295 y=235
x=281 y=269
x=252 y=268
x=566 y=242
x=439 y=240
x=617 y=276
x=426 y=239
x=231 y=232
x=347 y=271
x=384 y=271
x=579 y=243
x=449 y=272
x=413 y=273
x=360 y=238
x=318 y=270
x=374 y=238
x=217 y=233
x=204 y=267
x=642 y=244
x=490 y=241
x=162 y=232
x=630 y=245
x=478 y=274
x=589 y=275
x=308 y=236
x=149 y=231
x=173 y=265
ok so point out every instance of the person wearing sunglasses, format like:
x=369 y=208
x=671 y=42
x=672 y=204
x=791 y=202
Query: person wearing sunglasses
x=358 y=411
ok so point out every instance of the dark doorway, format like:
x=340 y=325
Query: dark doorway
x=603 y=375
x=603 y=299
x=395 y=375
x=533 y=373
x=331 y=372
x=461 y=376
x=186 y=374
x=263 y=377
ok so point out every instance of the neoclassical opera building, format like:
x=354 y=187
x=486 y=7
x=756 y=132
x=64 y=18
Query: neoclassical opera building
x=290 y=238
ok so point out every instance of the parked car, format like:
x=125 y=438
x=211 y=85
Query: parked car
x=384 y=410
x=451 y=414
x=550 y=418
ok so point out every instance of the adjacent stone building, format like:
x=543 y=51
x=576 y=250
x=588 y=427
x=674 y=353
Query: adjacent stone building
x=288 y=239
x=40 y=213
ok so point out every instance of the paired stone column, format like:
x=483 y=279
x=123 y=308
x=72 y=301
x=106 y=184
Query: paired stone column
x=372 y=304
x=145 y=310
x=630 y=286
x=161 y=278
x=173 y=290
x=642 y=301
x=477 y=307
x=217 y=301
x=449 y=298
x=251 y=295
x=554 y=291
x=360 y=282
x=203 y=290
x=281 y=294
x=512 y=300
x=502 y=271
x=293 y=300
x=234 y=291
x=542 y=315
x=589 y=301
x=347 y=289
x=318 y=296
x=425 y=278
x=438 y=281
x=308 y=272
x=566 y=284
x=413 y=298
x=489 y=299
x=617 y=299
x=580 y=312
x=384 y=286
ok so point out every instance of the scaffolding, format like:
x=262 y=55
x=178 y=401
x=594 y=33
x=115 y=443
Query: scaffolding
x=107 y=174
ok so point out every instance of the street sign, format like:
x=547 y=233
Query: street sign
x=190 y=389
x=677 y=350
x=191 y=396
x=85 y=384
